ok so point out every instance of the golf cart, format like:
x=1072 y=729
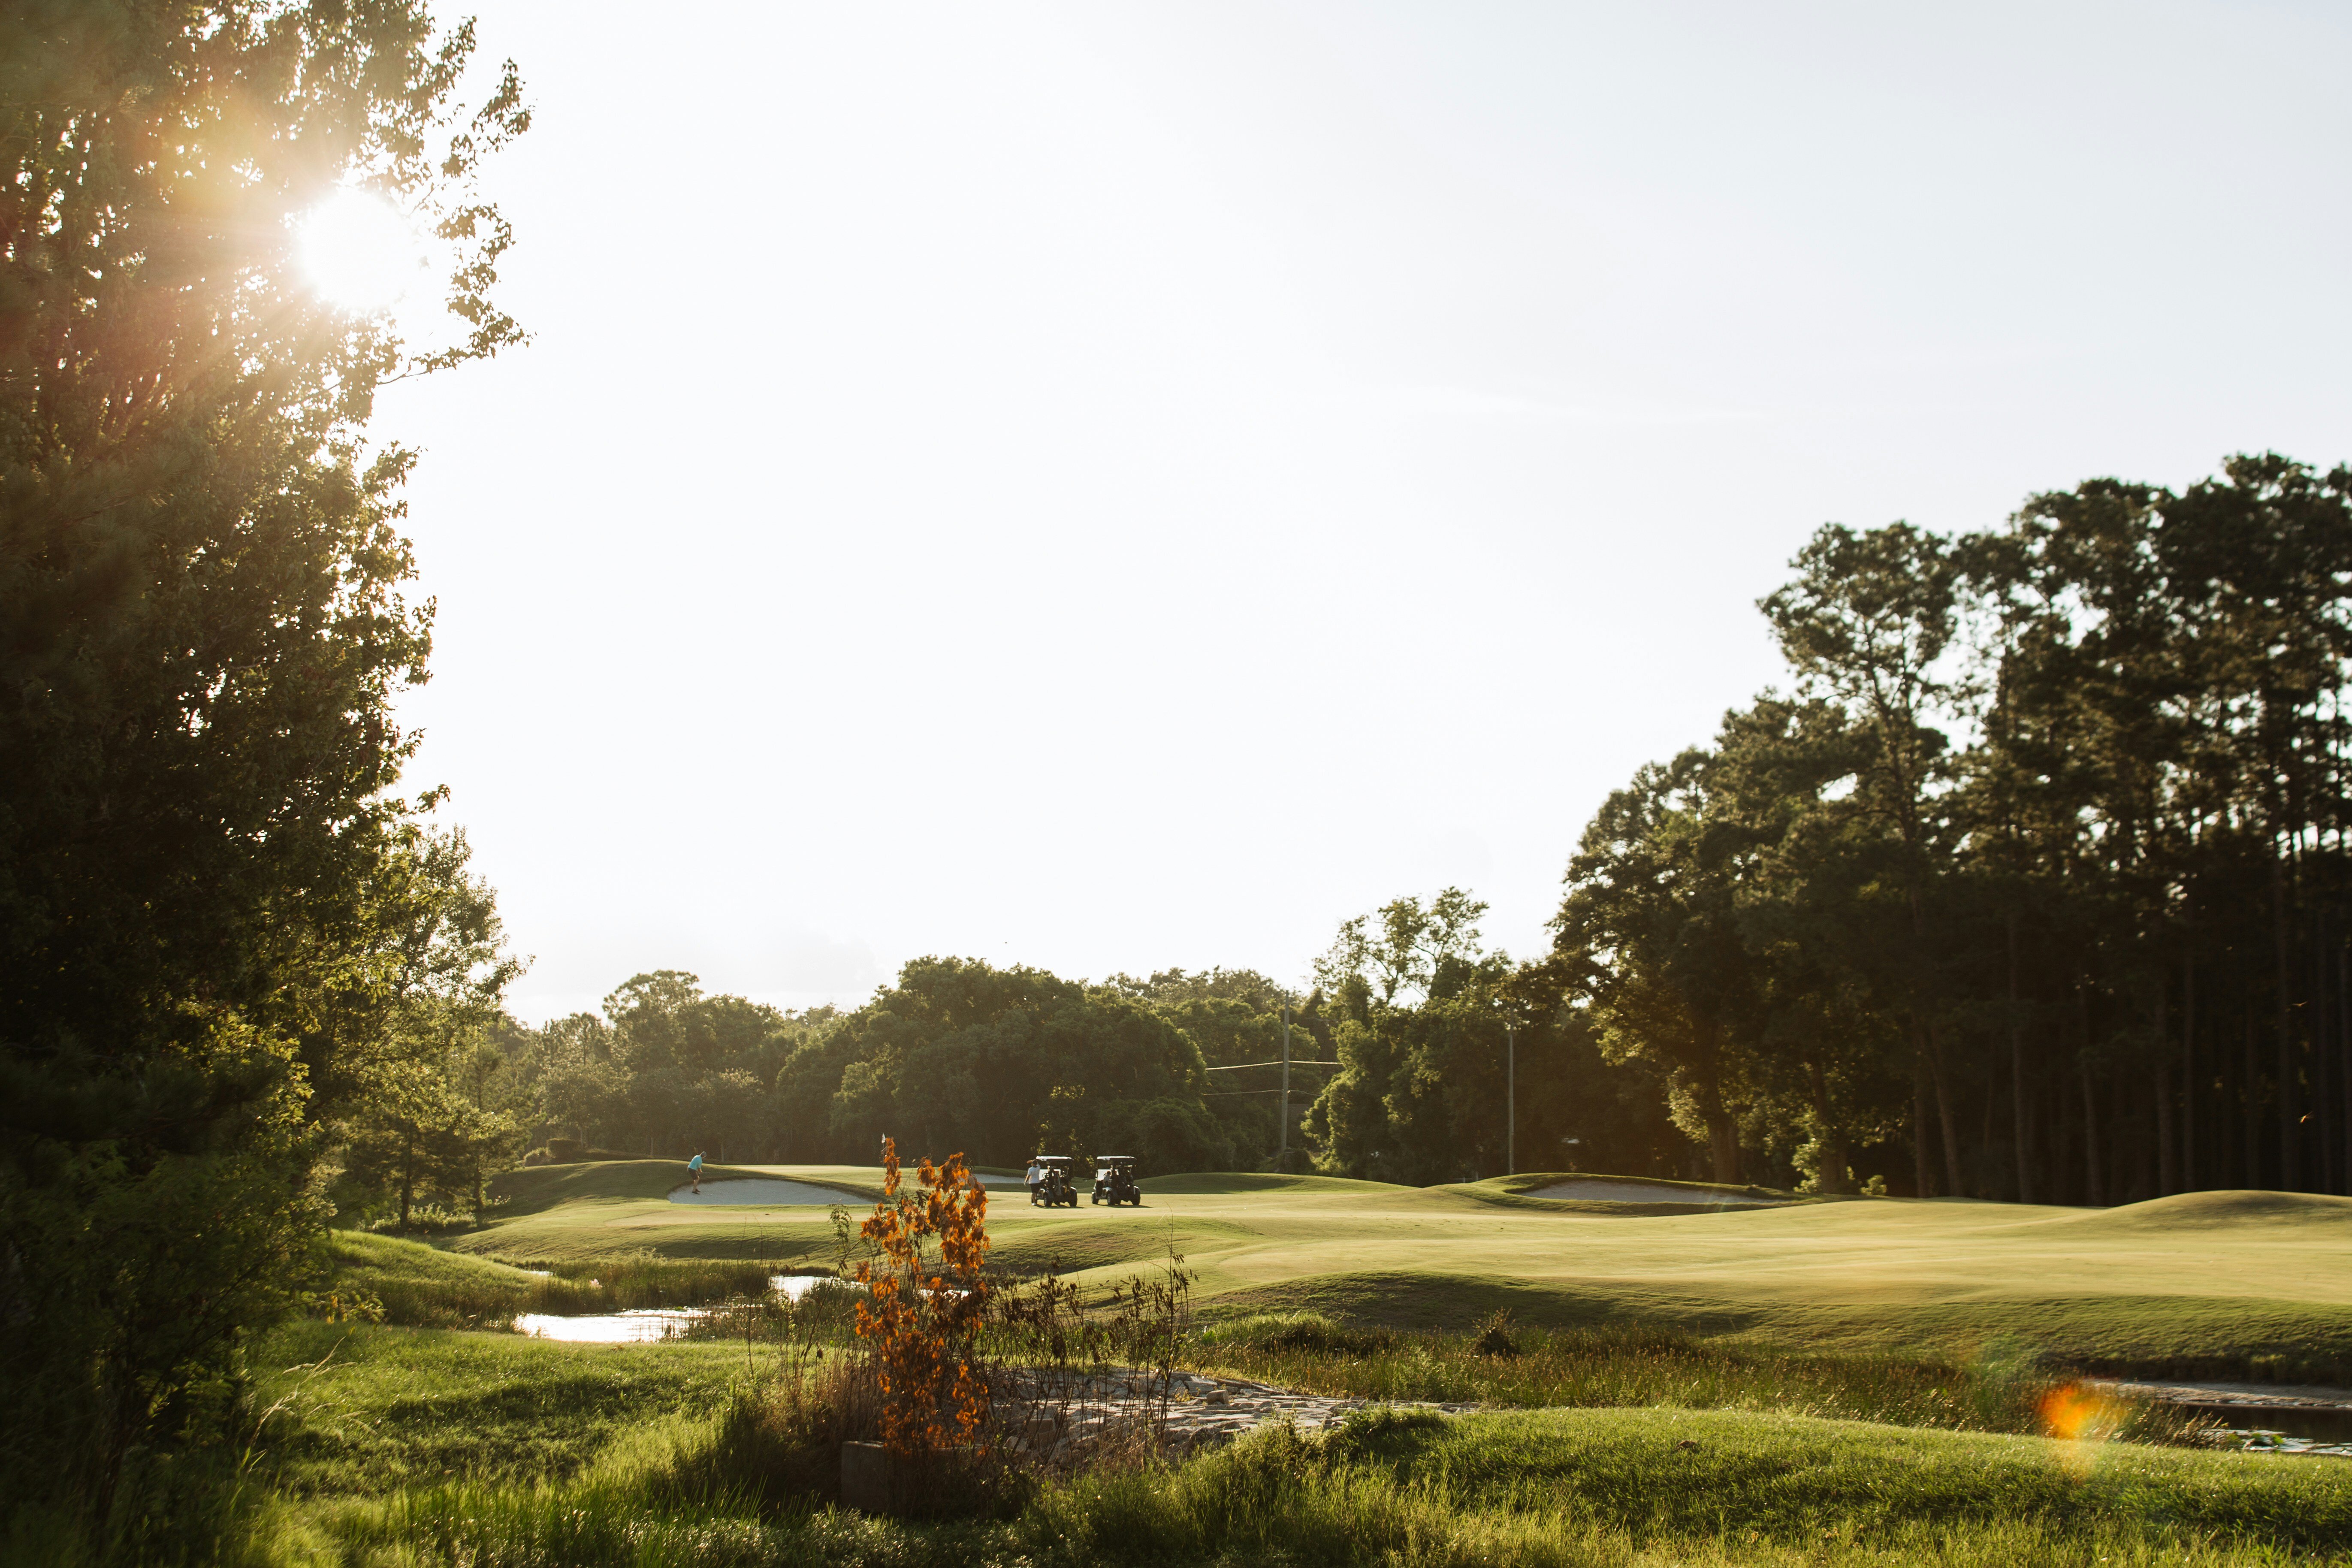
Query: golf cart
x=1055 y=1190
x=1115 y=1181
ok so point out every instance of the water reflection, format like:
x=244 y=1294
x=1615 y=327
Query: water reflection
x=633 y=1326
x=645 y=1325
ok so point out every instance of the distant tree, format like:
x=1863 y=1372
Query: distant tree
x=1868 y=622
x=420 y=1109
x=1650 y=938
x=1405 y=949
x=962 y=1055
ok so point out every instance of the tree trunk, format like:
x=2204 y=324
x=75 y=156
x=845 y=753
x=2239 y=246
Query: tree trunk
x=2253 y=1106
x=2189 y=1070
x=2324 y=1141
x=1944 y=1120
x=2017 y=1075
x=407 y=1174
x=2290 y=1166
x=1723 y=1141
x=1837 y=1173
x=2166 y=1165
x=2096 y=1186
x=2344 y=1054
x=1919 y=1129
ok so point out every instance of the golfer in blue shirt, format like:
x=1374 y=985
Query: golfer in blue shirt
x=694 y=1167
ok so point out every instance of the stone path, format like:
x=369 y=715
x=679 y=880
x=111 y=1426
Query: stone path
x=1202 y=1412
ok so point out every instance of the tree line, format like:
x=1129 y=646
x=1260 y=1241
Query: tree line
x=2032 y=885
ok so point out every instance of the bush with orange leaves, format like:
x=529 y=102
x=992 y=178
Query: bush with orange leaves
x=921 y=1318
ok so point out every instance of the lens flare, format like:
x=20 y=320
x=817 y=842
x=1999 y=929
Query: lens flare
x=360 y=252
x=2082 y=1418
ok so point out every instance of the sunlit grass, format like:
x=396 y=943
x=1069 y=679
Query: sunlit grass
x=1618 y=1488
x=2000 y=1390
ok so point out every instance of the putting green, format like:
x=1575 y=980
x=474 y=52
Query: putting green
x=2199 y=1280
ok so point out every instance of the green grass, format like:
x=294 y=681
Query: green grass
x=2258 y=1284
x=535 y=1188
x=1604 y=1487
x=2001 y=1391
x=420 y=1286
x=365 y=1410
x=1852 y=1382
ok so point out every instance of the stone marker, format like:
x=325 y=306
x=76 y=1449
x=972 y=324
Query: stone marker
x=866 y=1474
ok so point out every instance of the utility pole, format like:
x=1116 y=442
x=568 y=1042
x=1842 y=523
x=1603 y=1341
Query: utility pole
x=1511 y=1100
x=1282 y=1158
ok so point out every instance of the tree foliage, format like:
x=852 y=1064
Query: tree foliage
x=2040 y=879
x=204 y=624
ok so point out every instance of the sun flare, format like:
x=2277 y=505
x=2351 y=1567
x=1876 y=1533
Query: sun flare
x=360 y=252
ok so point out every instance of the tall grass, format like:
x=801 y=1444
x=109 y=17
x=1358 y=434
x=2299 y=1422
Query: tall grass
x=1416 y=1492
x=468 y=1294
x=2001 y=1392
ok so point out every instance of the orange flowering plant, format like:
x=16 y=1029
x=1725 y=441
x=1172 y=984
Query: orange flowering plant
x=921 y=1320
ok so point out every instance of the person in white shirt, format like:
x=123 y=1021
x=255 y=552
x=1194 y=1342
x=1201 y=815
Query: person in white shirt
x=1036 y=1174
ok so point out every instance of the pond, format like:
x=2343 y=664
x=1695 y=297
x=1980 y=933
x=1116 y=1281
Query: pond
x=644 y=1325
x=2298 y=1418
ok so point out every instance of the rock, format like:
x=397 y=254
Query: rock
x=865 y=1476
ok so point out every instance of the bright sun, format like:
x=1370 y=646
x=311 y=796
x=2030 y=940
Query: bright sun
x=359 y=252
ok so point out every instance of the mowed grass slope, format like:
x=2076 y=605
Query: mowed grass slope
x=2210 y=1281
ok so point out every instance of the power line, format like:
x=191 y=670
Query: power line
x=1238 y=1066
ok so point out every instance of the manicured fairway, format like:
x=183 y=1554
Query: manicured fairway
x=2224 y=1277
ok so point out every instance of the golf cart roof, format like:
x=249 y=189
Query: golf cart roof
x=1051 y=1159
x=1114 y=1159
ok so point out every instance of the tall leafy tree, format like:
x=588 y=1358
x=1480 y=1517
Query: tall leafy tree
x=204 y=624
x=1868 y=622
x=1649 y=936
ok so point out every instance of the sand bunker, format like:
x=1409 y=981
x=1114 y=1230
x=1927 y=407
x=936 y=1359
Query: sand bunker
x=773 y=1191
x=1648 y=1193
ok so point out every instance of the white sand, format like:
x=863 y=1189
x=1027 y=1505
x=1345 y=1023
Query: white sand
x=773 y=1191
x=1647 y=1193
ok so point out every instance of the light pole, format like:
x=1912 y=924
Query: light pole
x=1510 y=1099
x=1282 y=1155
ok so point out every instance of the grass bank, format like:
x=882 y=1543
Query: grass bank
x=1616 y=1488
x=416 y=1284
x=2002 y=1389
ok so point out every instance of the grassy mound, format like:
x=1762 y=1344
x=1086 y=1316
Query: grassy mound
x=1023 y=1246
x=1434 y=1299
x=1800 y=1480
x=367 y=1411
x=1203 y=1181
x=1659 y=1197
x=425 y=1287
x=2325 y=1216
x=535 y=1188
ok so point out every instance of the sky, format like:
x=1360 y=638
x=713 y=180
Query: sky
x=1112 y=487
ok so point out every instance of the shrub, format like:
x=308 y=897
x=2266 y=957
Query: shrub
x=921 y=1325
